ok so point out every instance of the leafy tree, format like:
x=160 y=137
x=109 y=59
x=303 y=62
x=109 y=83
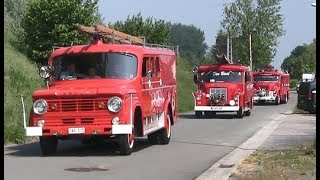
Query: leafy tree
x=154 y=31
x=301 y=60
x=190 y=40
x=48 y=23
x=260 y=18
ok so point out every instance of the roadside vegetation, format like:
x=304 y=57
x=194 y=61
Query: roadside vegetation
x=297 y=163
x=20 y=78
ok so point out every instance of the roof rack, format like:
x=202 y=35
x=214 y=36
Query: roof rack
x=115 y=36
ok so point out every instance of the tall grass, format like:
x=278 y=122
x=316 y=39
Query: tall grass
x=185 y=86
x=20 y=78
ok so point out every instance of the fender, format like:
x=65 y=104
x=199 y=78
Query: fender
x=167 y=106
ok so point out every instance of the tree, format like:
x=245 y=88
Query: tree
x=154 y=31
x=261 y=19
x=190 y=40
x=48 y=23
x=301 y=60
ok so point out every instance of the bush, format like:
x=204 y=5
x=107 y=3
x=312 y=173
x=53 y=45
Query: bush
x=293 y=83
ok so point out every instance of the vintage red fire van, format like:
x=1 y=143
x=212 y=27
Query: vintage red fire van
x=106 y=90
x=223 y=87
x=271 y=85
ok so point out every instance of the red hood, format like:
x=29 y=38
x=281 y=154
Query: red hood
x=91 y=88
x=271 y=86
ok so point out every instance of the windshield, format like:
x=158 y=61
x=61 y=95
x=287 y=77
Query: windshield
x=94 y=66
x=265 y=78
x=221 y=76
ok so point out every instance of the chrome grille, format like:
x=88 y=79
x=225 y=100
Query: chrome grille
x=76 y=105
x=219 y=93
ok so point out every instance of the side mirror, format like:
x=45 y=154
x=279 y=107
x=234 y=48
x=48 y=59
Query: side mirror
x=45 y=72
x=195 y=78
x=195 y=70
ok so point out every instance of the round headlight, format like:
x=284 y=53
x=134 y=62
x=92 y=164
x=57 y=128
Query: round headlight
x=40 y=106
x=114 y=104
x=232 y=102
x=44 y=72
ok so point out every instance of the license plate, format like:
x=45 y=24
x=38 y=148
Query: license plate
x=76 y=130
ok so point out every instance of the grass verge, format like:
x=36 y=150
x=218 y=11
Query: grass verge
x=185 y=86
x=20 y=78
x=298 y=163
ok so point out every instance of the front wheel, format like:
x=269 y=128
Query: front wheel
x=285 y=100
x=126 y=142
x=165 y=134
x=48 y=145
x=198 y=114
x=247 y=113
x=277 y=100
x=240 y=113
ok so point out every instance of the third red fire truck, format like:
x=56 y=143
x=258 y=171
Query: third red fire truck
x=271 y=85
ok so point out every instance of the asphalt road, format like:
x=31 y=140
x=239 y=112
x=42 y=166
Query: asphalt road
x=195 y=145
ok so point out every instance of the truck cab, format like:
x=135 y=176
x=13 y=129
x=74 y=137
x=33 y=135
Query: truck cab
x=115 y=91
x=223 y=87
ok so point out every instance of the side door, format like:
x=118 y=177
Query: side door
x=146 y=86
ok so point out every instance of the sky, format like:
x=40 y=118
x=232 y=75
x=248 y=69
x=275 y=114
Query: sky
x=299 y=18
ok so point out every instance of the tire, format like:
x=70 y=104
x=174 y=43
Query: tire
x=126 y=143
x=240 y=113
x=277 y=100
x=285 y=99
x=209 y=114
x=165 y=133
x=48 y=145
x=153 y=138
x=247 y=113
x=198 y=114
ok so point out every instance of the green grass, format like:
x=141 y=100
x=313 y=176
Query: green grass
x=297 y=163
x=20 y=78
x=185 y=86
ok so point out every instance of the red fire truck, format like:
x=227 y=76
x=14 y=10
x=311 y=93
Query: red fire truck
x=118 y=90
x=271 y=85
x=223 y=87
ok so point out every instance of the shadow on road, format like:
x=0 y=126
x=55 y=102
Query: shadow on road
x=74 y=148
x=208 y=144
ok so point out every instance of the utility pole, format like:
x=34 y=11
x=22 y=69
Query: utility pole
x=250 y=51
x=228 y=44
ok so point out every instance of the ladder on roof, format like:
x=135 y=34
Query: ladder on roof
x=118 y=37
x=111 y=34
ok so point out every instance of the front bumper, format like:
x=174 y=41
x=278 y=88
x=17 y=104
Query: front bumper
x=64 y=130
x=264 y=98
x=87 y=130
x=216 y=108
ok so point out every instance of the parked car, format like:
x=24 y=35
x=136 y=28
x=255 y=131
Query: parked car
x=307 y=96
